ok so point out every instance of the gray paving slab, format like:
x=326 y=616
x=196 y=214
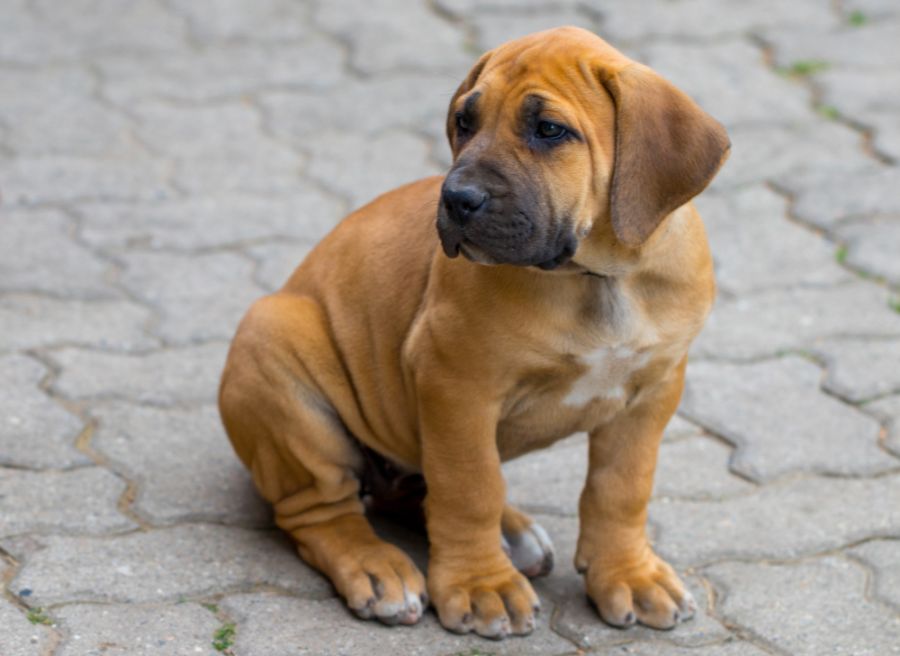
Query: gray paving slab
x=34 y=321
x=20 y=637
x=178 y=285
x=784 y=520
x=182 y=464
x=858 y=369
x=179 y=629
x=784 y=319
x=872 y=246
x=26 y=240
x=883 y=558
x=210 y=221
x=888 y=411
x=80 y=501
x=756 y=247
x=162 y=565
x=783 y=602
x=175 y=376
x=35 y=431
x=781 y=423
x=270 y=625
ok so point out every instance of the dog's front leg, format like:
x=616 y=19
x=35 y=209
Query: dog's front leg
x=624 y=578
x=471 y=581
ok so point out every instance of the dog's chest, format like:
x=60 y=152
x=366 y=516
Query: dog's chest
x=603 y=374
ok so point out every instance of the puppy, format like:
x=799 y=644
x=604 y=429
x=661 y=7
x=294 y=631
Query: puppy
x=584 y=275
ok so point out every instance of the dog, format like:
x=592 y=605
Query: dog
x=389 y=366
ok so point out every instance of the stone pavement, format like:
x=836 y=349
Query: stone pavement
x=165 y=162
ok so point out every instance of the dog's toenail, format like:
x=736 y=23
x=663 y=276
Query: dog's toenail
x=629 y=619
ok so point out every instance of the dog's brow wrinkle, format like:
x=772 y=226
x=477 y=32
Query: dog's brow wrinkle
x=469 y=104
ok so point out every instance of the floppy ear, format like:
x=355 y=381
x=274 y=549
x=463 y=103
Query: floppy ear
x=466 y=86
x=667 y=150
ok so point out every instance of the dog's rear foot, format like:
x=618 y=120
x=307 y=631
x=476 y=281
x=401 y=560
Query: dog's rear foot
x=526 y=543
x=381 y=582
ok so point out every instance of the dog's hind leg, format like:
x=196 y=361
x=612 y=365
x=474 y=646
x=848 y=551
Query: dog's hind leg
x=526 y=542
x=304 y=461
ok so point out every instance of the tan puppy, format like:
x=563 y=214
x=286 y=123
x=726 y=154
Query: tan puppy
x=573 y=171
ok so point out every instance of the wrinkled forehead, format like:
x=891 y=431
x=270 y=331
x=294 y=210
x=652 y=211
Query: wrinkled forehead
x=548 y=70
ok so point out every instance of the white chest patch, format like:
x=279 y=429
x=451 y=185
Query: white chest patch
x=608 y=369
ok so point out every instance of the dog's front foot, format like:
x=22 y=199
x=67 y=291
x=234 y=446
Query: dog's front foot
x=492 y=601
x=645 y=590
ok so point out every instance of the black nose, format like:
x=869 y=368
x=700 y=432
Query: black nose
x=463 y=201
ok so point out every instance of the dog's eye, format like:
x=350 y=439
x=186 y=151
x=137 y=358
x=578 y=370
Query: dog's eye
x=462 y=123
x=548 y=130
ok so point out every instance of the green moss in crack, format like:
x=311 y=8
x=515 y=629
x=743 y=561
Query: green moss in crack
x=804 y=68
x=223 y=637
x=857 y=18
x=37 y=616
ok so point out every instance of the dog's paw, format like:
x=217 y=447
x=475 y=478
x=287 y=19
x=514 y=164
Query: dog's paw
x=530 y=550
x=647 y=591
x=494 y=604
x=381 y=582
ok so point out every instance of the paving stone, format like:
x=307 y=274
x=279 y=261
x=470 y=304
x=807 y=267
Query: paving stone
x=550 y=480
x=496 y=28
x=461 y=8
x=883 y=557
x=77 y=501
x=183 y=629
x=277 y=261
x=577 y=619
x=873 y=90
x=270 y=625
x=711 y=18
x=763 y=153
x=218 y=72
x=212 y=221
x=888 y=411
x=395 y=34
x=886 y=128
x=407 y=101
x=873 y=245
x=696 y=468
x=213 y=21
x=730 y=648
x=869 y=46
x=169 y=377
x=219 y=283
x=781 y=520
x=824 y=199
x=129 y=175
x=35 y=321
x=775 y=321
x=19 y=636
x=219 y=148
x=164 y=565
x=106 y=25
x=755 y=246
x=721 y=77
x=858 y=370
x=789 y=604
x=54 y=112
x=28 y=40
x=35 y=432
x=360 y=167
x=38 y=253
x=780 y=422
x=182 y=462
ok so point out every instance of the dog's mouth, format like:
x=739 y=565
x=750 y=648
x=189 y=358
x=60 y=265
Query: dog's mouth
x=454 y=244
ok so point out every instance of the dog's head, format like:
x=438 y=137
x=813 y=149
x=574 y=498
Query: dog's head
x=556 y=134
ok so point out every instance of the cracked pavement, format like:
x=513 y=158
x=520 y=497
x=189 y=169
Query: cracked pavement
x=165 y=162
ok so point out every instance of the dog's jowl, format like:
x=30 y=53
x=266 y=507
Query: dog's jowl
x=550 y=283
